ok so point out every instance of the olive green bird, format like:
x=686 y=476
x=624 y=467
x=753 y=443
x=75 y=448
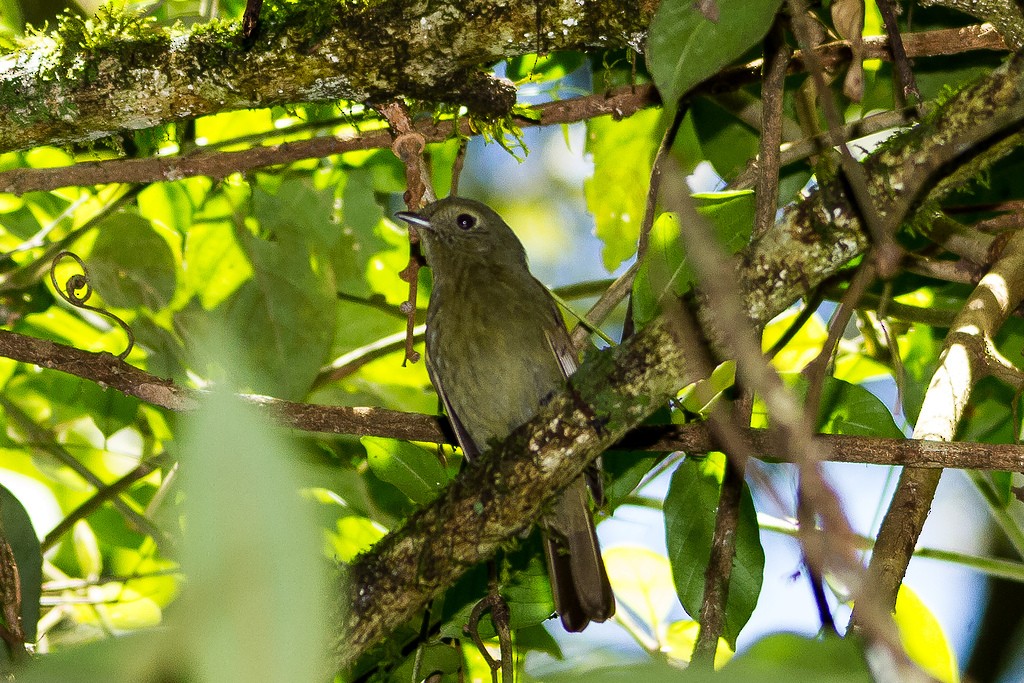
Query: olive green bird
x=496 y=349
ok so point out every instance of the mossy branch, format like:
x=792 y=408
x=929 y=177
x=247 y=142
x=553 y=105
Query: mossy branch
x=89 y=80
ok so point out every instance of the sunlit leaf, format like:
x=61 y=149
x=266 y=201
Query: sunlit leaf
x=623 y=153
x=802 y=348
x=923 y=638
x=642 y=581
x=681 y=637
x=354 y=535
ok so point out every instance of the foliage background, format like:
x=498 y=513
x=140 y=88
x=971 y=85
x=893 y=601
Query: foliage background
x=213 y=568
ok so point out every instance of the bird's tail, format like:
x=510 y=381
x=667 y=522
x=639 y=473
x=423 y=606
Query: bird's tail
x=579 y=581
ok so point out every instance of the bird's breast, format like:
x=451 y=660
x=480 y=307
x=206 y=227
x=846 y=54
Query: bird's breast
x=492 y=359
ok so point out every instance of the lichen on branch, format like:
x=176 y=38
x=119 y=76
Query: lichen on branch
x=59 y=88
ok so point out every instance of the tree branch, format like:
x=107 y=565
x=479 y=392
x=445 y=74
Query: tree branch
x=620 y=102
x=62 y=90
x=107 y=370
x=508 y=487
x=963 y=362
x=818 y=236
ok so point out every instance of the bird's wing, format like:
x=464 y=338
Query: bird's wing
x=469 y=447
x=562 y=346
x=560 y=342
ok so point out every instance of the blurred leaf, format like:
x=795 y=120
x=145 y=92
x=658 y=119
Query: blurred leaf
x=922 y=636
x=690 y=506
x=642 y=581
x=126 y=659
x=292 y=308
x=686 y=46
x=255 y=607
x=119 y=608
x=795 y=659
x=414 y=471
x=87 y=550
x=131 y=265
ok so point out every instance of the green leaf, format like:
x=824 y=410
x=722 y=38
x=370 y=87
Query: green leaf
x=172 y=204
x=230 y=125
x=920 y=348
x=684 y=46
x=354 y=535
x=851 y=409
x=288 y=308
x=727 y=143
x=528 y=591
x=549 y=67
x=802 y=348
x=665 y=270
x=17 y=530
x=110 y=410
x=690 y=506
x=131 y=265
x=623 y=153
x=414 y=471
x=214 y=264
x=700 y=397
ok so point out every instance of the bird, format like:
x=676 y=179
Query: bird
x=496 y=349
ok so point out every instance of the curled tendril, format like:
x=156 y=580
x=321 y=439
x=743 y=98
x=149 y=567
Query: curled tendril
x=77 y=291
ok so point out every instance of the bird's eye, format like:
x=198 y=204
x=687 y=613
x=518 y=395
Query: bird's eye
x=465 y=221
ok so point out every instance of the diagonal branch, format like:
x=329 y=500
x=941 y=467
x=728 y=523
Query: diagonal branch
x=963 y=362
x=509 y=487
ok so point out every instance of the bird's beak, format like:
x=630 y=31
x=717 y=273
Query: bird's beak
x=413 y=219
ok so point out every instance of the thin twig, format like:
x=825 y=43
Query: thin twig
x=906 y=86
x=102 y=495
x=777 y=54
x=408 y=147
